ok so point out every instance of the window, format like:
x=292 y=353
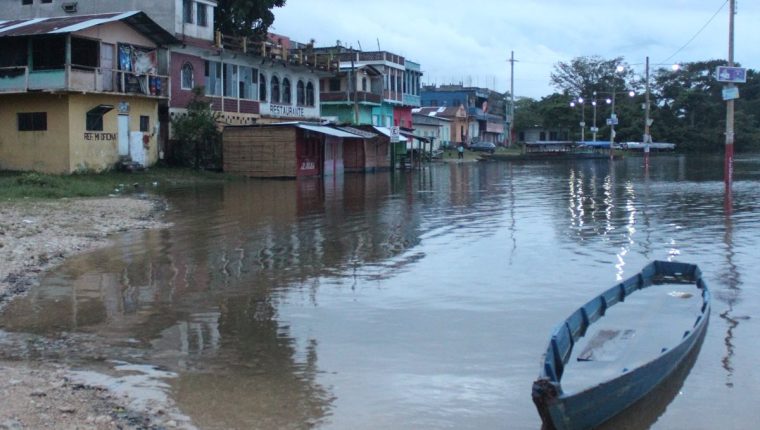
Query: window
x=262 y=87
x=246 y=83
x=230 y=80
x=187 y=11
x=286 y=90
x=32 y=121
x=275 y=90
x=144 y=123
x=334 y=84
x=300 y=93
x=364 y=84
x=47 y=1
x=85 y=52
x=213 y=73
x=309 y=94
x=26 y=1
x=95 y=117
x=49 y=53
x=201 y=15
x=186 y=76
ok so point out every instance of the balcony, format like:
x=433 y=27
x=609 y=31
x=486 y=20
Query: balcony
x=342 y=96
x=412 y=100
x=21 y=79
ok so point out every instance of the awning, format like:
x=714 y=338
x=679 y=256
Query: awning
x=100 y=110
x=359 y=132
x=413 y=136
x=387 y=132
x=327 y=130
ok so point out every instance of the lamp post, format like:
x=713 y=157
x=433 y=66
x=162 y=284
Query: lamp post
x=613 y=117
x=593 y=127
x=583 y=116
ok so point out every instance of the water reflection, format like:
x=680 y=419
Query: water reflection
x=396 y=300
x=731 y=294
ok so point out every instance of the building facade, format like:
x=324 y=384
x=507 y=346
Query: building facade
x=485 y=108
x=399 y=86
x=81 y=93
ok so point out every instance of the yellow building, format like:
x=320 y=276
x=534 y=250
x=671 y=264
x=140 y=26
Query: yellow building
x=81 y=93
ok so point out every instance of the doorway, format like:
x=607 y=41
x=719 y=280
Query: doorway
x=123 y=135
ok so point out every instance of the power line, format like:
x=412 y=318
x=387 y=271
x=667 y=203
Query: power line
x=698 y=32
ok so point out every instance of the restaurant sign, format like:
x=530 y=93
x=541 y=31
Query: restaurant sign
x=286 y=111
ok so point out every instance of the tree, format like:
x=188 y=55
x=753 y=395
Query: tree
x=197 y=137
x=246 y=17
x=584 y=75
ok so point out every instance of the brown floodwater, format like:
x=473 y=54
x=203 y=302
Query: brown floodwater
x=406 y=300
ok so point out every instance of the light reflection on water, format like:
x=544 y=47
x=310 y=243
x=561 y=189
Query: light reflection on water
x=406 y=301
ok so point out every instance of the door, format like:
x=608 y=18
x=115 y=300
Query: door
x=106 y=65
x=123 y=135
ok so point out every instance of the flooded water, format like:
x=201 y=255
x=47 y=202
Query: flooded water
x=408 y=301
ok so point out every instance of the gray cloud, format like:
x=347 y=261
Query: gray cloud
x=470 y=41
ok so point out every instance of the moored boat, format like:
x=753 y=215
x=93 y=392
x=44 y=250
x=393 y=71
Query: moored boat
x=614 y=373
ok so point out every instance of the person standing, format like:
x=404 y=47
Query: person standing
x=460 y=151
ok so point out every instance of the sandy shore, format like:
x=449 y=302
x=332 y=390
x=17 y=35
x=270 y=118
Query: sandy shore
x=36 y=236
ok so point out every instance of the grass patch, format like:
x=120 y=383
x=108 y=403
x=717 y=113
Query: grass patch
x=33 y=185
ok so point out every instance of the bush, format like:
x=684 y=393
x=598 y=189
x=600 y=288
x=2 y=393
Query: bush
x=198 y=140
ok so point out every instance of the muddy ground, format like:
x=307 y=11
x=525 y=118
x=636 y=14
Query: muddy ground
x=35 y=394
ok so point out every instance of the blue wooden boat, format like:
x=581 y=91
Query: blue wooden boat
x=596 y=402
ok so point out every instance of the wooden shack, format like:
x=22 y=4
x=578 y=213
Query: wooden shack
x=368 y=152
x=285 y=150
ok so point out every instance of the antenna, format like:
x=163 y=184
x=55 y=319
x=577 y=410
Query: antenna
x=378 y=44
x=360 y=45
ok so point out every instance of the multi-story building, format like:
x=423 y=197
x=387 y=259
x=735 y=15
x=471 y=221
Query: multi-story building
x=80 y=92
x=399 y=90
x=485 y=109
x=247 y=82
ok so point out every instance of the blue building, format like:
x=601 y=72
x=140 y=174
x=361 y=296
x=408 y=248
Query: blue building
x=485 y=109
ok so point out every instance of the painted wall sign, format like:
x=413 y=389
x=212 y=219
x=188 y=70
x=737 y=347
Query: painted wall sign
x=289 y=111
x=98 y=136
x=308 y=165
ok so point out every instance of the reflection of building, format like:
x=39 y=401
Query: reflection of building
x=80 y=92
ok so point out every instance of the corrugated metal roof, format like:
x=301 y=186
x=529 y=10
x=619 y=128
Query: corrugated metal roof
x=358 y=132
x=386 y=131
x=70 y=24
x=326 y=130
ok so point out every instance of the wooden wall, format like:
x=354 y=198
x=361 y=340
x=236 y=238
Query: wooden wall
x=260 y=152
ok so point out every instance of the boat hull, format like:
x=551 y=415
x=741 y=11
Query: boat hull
x=599 y=403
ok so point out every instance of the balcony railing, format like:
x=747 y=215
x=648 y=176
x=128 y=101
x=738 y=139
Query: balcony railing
x=21 y=79
x=268 y=49
x=342 y=96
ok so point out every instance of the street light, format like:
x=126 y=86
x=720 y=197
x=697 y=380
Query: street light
x=593 y=128
x=583 y=116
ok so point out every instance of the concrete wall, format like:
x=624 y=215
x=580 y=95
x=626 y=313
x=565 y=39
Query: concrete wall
x=43 y=151
x=116 y=32
x=67 y=146
x=98 y=150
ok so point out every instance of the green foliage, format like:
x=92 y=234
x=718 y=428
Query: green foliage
x=33 y=185
x=198 y=140
x=246 y=17
x=686 y=105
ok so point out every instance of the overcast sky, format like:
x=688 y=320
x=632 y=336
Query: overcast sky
x=470 y=41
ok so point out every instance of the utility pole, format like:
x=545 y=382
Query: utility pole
x=647 y=135
x=728 y=171
x=512 y=97
x=613 y=119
